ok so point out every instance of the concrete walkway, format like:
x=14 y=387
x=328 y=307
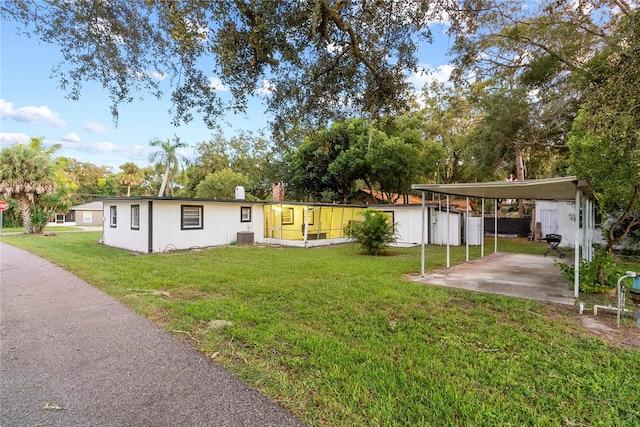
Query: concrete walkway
x=71 y=355
x=517 y=275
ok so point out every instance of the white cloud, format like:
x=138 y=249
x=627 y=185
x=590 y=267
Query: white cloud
x=12 y=138
x=158 y=75
x=95 y=127
x=266 y=88
x=31 y=114
x=429 y=75
x=216 y=84
x=71 y=137
x=90 y=147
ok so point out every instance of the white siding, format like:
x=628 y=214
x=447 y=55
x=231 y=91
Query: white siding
x=409 y=227
x=408 y=223
x=439 y=228
x=475 y=231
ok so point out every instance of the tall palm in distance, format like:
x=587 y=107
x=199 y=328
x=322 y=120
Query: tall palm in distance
x=130 y=175
x=167 y=155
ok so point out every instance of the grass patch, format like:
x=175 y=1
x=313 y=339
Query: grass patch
x=341 y=338
x=47 y=230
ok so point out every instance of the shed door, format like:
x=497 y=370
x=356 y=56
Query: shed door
x=549 y=221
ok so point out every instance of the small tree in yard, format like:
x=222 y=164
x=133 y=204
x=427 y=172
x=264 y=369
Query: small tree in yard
x=373 y=233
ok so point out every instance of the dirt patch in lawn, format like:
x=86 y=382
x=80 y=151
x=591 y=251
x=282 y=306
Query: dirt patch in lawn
x=602 y=326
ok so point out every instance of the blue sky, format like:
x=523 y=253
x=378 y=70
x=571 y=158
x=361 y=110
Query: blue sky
x=32 y=105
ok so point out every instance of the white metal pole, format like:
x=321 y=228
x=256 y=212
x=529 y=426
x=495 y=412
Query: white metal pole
x=482 y=231
x=422 y=241
x=585 y=229
x=466 y=228
x=576 y=247
x=495 y=225
x=593 y=228
x=448 y=233
x=306 y=225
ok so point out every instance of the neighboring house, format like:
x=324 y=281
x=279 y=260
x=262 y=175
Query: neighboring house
x=559 y=217
x=85 y=214
x=152 y=224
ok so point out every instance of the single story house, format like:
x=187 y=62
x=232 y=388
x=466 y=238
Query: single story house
x=156 y=224
x=84 y=214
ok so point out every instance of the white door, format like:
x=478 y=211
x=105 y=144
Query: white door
x=549 y=221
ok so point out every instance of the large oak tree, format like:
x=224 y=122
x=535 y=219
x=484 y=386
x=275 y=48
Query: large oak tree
x=318 y=59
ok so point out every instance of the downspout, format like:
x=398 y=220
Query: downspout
x=150 y=227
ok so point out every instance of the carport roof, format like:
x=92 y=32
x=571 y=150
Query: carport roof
x=563 y=188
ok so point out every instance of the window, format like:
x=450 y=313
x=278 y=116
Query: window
x=113 y=216
x=191 y=217
x=87 y=217
x=245 y=214
x=390 y=216
x=135 y=217
x=59 y=218
x=287 y=216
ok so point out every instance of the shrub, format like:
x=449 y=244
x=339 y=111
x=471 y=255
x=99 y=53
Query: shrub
x=589 y=282
x=373 y=233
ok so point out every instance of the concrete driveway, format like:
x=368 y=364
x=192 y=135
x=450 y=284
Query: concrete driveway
x=516 y=275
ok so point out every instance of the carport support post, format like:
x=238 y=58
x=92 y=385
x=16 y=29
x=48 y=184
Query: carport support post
x=466 y=228
x=495 y=227
x=576 y=248
x=482 y=232
x=448 y=233
x=422 y=241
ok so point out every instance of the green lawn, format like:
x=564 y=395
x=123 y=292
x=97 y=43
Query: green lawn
x=343 y=339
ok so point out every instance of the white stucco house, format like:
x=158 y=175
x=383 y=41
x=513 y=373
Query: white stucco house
x=155 y=224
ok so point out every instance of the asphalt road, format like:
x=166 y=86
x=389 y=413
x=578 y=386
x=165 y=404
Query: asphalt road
x=71 y=355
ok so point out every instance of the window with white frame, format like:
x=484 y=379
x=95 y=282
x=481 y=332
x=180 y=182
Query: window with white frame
x=135 y=217
x=191 y=217
x=87 y=218
x=245 y=214
x=113 y=216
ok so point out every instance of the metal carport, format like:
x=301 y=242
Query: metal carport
x=563 y=188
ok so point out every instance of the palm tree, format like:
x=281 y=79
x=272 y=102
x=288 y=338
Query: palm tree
x=131 y=175
x=169 y=157
x=26 y=171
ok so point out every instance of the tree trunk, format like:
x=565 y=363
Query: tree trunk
x=612 y=239
x=24 y=206
x=165 y=178
x=128 y=190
